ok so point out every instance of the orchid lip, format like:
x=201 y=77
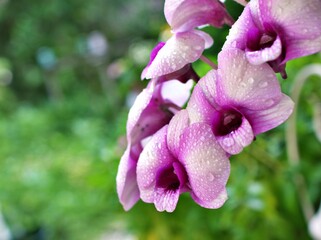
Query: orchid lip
x=227 y=121
x=257 y=40
x=171 y=178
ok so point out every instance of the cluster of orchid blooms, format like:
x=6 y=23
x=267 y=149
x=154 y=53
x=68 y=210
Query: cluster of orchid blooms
x=180 y=136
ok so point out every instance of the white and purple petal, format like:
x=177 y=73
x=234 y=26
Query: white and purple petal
x=176 y=92
x=298 y=23
x=265 y=120
x=127 y=189
x=234 y=141
x=186 y=15
x=176 y=128
x=170 y=182
x=216 y=203
x=265 y=55
x=159 y=179
x=179 y=50
x=241 y=84
x=183 y=75
x=146 y=117
x=199 y=108
x=153 y=54
x=206 y=164
x=237 y=37
x=299 y=19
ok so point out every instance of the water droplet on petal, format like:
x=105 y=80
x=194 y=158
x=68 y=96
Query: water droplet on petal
x=251 y=80
x=280 y=10
x=211 y=177
x=263 y=84
x=228 y=142
x=269 y=102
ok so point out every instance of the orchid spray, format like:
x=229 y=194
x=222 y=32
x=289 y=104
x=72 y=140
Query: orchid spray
x=184 y=146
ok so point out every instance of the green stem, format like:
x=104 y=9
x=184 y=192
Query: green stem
x=209 y=62
x=292 y=141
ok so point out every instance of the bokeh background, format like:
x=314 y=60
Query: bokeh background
x=69 y=71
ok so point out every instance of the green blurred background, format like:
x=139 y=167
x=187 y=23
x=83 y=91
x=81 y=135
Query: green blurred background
x=69 y=71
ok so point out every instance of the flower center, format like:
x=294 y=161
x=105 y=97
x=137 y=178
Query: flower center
x=257 y=40
x=228 y=121
x=171 y=177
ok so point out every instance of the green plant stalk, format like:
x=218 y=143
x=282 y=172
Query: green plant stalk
x=292 y=142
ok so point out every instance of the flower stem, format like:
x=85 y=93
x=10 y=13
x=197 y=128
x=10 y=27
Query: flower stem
x=292 y=141
x=208 y=61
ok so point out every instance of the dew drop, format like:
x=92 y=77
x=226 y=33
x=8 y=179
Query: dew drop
x=228 y=142
x=251 y=80
x=211 y=177
x=263 y=84
x=269 y=102
x=280 y=10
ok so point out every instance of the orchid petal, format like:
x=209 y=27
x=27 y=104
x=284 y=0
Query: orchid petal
x=299 y=24
x=127 y=188
x=199 y=108
x=249 y=86
x=216 y=203
x=206 y=163
x=183 y=75
x=314 y=225
x=152 y=57
x=208 y=86
x=166 y=200
x=207 y=38
x=234 y=142
x=238 y=32
x=268 y=119
x=146 y=117
x=300 y=19
x=179 y=50
x=155 y=156
x=140 y=104
x=170 y=7
x=190 y=14
x=176 y=127
x=170 y=182
x=176 y=92
x=300 y=48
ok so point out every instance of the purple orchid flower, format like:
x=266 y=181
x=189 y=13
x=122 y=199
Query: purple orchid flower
x=187 y=44
x=239 y=101
x=276 y=31
x=153 y=109
x=183 y=158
